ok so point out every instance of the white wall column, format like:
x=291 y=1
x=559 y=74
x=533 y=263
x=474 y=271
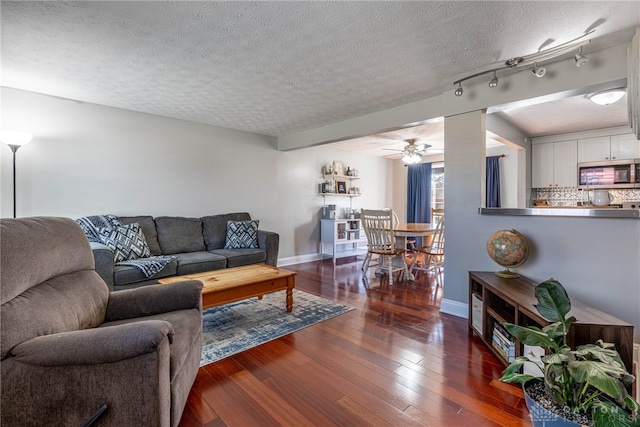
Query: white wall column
x=464 y=189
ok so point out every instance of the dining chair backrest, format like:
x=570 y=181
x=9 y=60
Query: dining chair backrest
x=396 y=221
x=437 y=215
x=378 y=226
x=437 y=242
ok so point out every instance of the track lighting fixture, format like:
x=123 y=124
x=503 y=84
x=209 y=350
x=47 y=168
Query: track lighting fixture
x=526 y=61
x=538 y=71
x=494 y=80
x=580 y=58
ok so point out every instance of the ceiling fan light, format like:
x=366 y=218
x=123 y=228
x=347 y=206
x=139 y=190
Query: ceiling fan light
x=606 y=97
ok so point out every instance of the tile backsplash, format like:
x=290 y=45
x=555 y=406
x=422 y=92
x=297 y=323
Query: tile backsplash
x=570 y=196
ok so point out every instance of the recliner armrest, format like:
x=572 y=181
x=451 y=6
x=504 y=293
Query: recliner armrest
x=94 y=346
x=154 y=299
x=270 y=242
x=103 y=258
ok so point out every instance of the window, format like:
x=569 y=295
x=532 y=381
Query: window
x=437 y=186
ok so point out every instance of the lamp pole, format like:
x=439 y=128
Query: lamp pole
x=15 y=140
x=14 y=148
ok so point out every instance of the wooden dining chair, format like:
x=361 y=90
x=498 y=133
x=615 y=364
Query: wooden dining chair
x=378 y=226
x=433 y=253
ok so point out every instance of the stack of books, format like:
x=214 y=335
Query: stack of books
x=503 y=343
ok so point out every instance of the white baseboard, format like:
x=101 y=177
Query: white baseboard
x=298 y=259
x=454 y=308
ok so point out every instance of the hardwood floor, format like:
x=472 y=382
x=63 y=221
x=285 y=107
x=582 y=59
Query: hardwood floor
x=393 y=361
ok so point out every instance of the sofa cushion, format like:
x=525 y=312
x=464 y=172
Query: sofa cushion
x=238 y=257
x=63 y=303
x=197 y=262
x=179 y=234
x=126 y=242
x=148 y=229
x=126 y=275
x=214 y=228
x=242 y=235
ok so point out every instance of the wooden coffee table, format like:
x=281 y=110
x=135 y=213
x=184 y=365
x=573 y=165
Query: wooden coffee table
x=238 y=283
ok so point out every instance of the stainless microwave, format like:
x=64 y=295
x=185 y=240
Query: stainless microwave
x=610 y=174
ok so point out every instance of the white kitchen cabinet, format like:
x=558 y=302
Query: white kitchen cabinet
x=603 y=148
x=554 y=164
x=594 y=149
x=624 y=147
x=345 y=237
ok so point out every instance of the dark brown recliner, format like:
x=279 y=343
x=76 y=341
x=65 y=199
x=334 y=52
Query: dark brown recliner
x=69 y=346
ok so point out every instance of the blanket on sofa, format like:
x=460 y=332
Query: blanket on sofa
x=148 y=265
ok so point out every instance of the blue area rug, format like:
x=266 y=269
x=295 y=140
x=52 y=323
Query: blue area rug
x=232 y=328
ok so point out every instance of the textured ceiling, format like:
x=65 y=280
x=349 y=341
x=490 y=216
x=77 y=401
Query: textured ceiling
x=277 y=68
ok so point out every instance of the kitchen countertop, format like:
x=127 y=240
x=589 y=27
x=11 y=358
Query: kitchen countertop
x=576 y=211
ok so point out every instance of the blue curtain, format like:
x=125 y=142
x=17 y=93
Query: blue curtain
x=419 y=194
x=493 y=182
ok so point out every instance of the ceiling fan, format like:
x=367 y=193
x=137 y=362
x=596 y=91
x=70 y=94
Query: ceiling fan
x=412 y=153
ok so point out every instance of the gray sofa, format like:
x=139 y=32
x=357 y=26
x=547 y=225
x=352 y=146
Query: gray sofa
x=197 y=244
x=69 y=346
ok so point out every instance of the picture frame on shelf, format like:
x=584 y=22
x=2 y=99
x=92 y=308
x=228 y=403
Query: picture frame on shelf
x=338 y=167
x=341 y=187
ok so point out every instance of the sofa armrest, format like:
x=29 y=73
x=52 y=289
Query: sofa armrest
x=270 y=242
x=154 y=299
x=61 y=379
x=103 y=257
x=94 y=346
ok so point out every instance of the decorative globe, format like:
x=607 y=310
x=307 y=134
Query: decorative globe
x=509 y=249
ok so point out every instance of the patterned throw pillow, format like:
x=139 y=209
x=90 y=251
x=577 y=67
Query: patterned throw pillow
x=126 y=241
x=242 y=235
x=91 y=224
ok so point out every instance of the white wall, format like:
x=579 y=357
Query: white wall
x=87 y=159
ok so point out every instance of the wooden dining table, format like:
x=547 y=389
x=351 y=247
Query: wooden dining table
x=404 y=230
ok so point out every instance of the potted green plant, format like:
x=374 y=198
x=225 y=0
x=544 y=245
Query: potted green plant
x=590 y=379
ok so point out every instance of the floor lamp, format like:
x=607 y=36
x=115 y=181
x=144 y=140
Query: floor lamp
x=15 y=140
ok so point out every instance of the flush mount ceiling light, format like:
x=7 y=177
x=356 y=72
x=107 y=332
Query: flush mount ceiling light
x=534 y=58
x=606 y=97
x=580 y=58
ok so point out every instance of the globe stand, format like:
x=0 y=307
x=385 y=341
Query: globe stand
x=507 y=274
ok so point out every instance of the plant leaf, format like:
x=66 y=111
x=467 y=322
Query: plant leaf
x=601 y=376
x=553 y=301
x=529 y=335
x=608 y=414
x=512 y=374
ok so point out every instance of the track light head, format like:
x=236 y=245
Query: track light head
x=580 y=58
x=538 y=71
x=459 y=91
x=494 y=80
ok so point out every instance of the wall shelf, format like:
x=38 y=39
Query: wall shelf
x=345 y=237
